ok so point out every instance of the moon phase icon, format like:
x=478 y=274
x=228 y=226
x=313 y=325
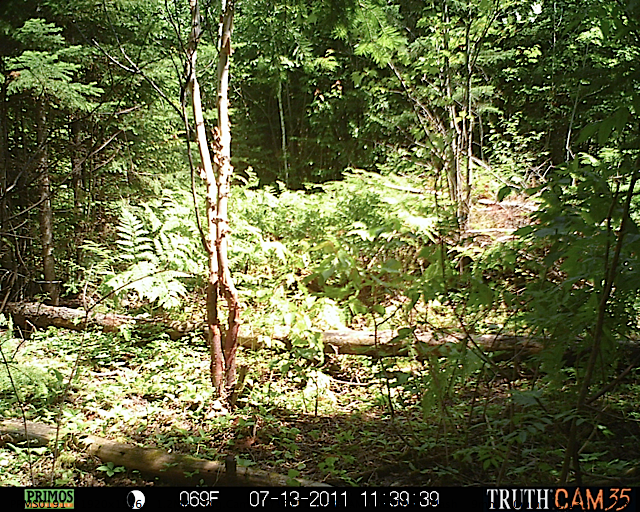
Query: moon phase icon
x=135 y=500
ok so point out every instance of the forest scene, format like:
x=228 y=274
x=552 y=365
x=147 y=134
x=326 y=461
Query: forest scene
x=350 y=243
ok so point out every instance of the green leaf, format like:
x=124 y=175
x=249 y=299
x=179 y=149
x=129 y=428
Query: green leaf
x=380 y=309
x=621 y=117
x=504 y=192
x=587 y=132
x=392 y=265
x=481 y=295
x=244 y=463
x=605 y=131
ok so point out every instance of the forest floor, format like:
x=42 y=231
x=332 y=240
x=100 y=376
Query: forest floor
x=157 y=394
x=349 y=420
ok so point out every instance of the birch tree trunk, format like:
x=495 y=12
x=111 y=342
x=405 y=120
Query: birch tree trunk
x=283 y=131
x=223 y=174
x=217 y=172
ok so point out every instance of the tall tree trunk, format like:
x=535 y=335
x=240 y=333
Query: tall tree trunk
x=460 y=125
x=46 y=210
x=4 y=144
x=7 y=261
x=224 y=171
x=452 y=159
x=217 y=174
x=464 y=178
x=78 y=157
x=283 y=132
x=76 y=165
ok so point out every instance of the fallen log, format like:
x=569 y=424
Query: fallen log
x=26 y=314
x=174 y=469
x=41 y=315
x=381 y=344
x=389 y=343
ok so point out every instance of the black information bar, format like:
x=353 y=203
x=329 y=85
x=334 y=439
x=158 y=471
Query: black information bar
x=237 y=499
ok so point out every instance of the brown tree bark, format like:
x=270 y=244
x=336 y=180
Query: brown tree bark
x=46 y=209
x=4 y=144
x=208 y=174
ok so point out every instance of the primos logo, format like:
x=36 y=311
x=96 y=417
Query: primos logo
x=49 y=498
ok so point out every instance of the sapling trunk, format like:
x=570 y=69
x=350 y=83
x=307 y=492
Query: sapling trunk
x=216 y=173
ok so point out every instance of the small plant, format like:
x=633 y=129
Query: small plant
x=292 y=474
x=110 y=469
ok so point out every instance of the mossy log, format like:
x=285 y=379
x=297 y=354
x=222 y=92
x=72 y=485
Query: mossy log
x=171 y=468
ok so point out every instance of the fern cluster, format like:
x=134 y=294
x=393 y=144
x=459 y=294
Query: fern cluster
x=350 y=238
x=158 y=251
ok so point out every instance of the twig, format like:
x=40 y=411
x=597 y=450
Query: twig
x=615 y=382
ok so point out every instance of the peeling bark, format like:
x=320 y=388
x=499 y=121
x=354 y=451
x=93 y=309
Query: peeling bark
x=216 y=173
x=224 y=170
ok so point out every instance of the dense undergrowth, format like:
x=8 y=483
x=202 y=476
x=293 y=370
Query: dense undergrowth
x=369 y=252
x=350 y=421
